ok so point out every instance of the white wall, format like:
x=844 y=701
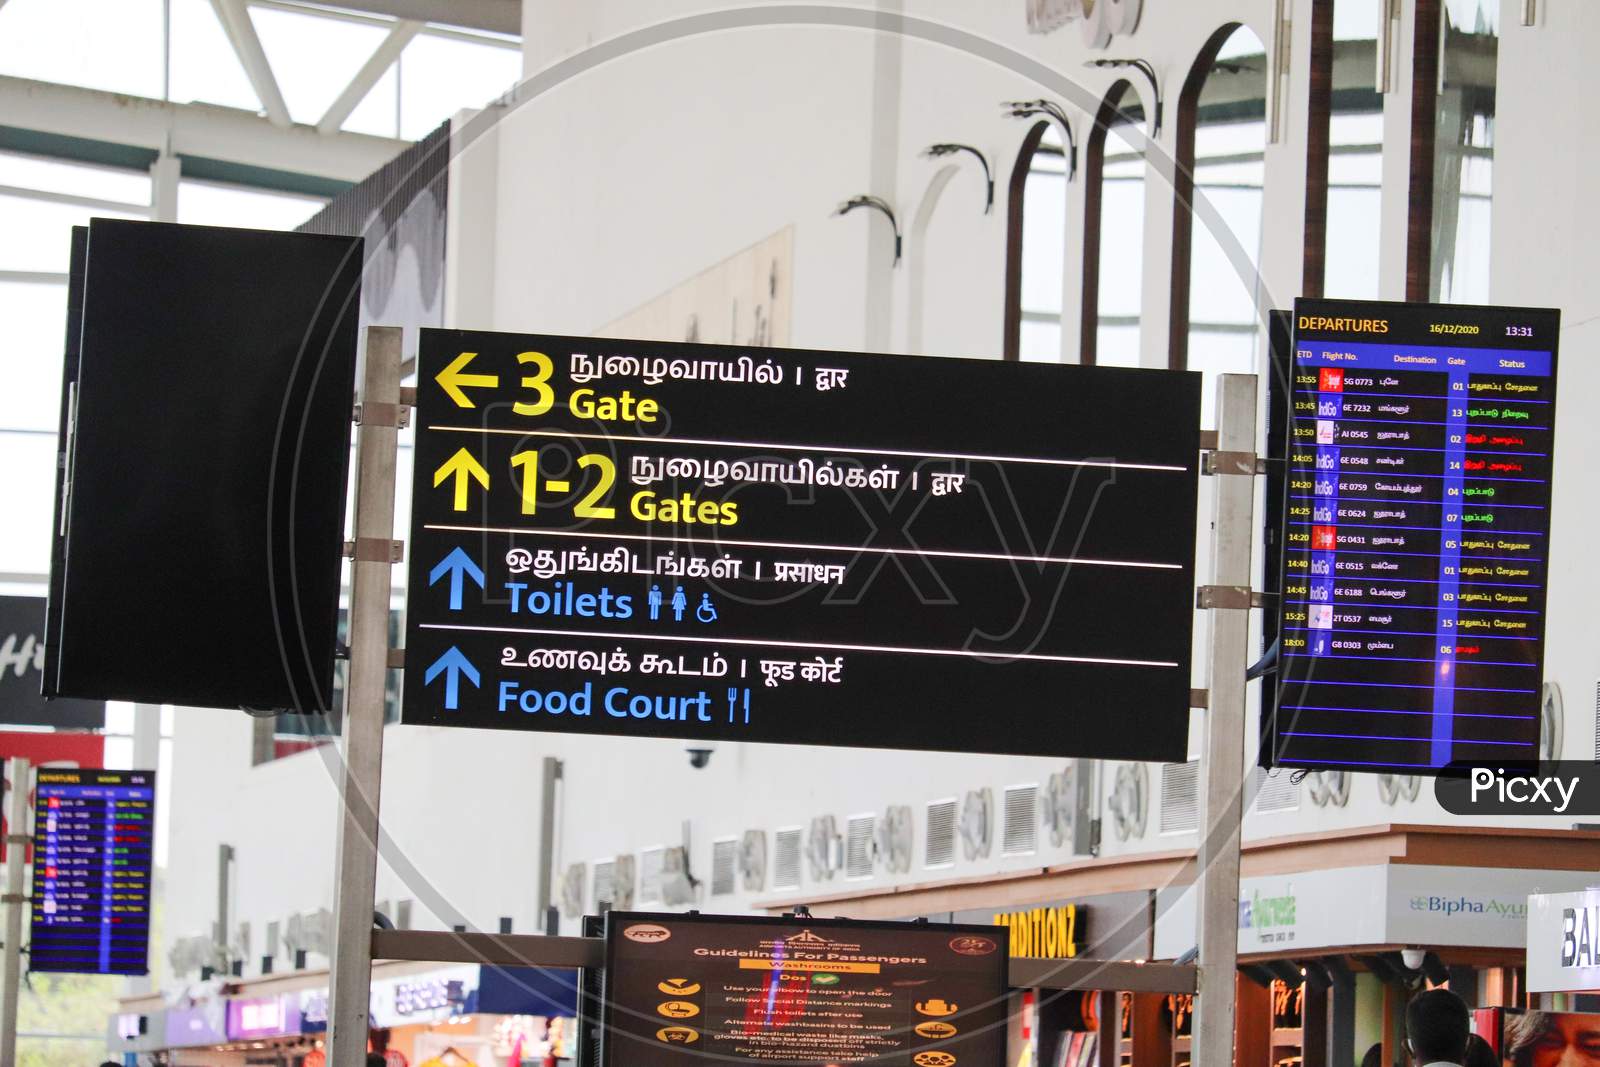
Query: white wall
x=615 y=186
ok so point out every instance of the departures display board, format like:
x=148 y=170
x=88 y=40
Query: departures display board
x=718 y=543
x=1417 y=535
x=682 y=990
x=94 y=841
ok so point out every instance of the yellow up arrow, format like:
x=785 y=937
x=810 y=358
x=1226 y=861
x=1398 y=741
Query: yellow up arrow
x=463 y=466
x=453 y=377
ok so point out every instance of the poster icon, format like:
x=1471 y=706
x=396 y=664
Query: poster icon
x=936 y=1029
x=678 y=1035
x=936 y=1007
x=934 y=1058
x=648 y=933
x=678 y=1009
x=679 y=987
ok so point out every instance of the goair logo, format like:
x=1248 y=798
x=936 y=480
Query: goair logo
x=1465 y=905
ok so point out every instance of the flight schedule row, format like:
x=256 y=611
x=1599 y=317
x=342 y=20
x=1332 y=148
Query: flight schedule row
x=1415 y=553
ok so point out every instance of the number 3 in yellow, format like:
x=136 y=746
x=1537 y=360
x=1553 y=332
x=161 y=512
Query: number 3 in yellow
x=539 y=382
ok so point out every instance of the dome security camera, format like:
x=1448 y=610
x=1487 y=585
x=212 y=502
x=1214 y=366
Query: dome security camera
x=1413 y=957
x=699 y=753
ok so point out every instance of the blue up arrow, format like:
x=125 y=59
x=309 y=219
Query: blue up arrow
x=452 y=665
x=456 y=564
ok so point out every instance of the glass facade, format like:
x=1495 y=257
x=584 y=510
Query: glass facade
x=1463 y=152
x=1044 y=229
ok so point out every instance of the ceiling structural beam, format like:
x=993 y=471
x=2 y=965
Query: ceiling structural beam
x=495 y=16
x=204 y=131
x=381 y=60
x=235 y=19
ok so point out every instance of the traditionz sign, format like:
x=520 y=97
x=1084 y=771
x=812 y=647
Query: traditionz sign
x=805 y=547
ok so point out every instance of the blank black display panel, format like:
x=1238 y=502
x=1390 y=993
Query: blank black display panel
x=204 y=474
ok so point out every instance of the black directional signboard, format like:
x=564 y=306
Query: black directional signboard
x=701 y=542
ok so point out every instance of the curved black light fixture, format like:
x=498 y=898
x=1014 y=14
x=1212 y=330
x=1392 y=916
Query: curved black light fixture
x=1143 y=67
x=1027 y=109
x=937 y=150
x=877 y=203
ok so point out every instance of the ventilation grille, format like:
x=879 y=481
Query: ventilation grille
x=1180 y=803
x=940 y=844
x=1021 y=834
x=272 y=939
x=724 y=861
x=402 y=915
x=605 y=884
x=651 y=861
x=786 y=859
x=858 y=846
x=1276 y=792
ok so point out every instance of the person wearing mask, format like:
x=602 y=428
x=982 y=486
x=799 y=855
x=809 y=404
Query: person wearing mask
x=1437 y=1025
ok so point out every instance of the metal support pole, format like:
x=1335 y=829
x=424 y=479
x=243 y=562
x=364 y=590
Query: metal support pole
x=356 y=869
x=547 y=840
x=165 y=174
x=222 y=938
x=18 y=774
x=1222 y=758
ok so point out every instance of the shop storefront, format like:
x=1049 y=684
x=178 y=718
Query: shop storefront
x=1561 y=1025
x=456 y=1016
x=1334 y=928
x=142 y=1031
x=1057 y=1028
x=1325 y=955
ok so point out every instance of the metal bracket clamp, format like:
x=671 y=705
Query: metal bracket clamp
x=375 y=550
x=19 y=839
x=1199 y=698
x=13 y=898
x=374 y=413
x=397 y=658
x=408 y=397
x=1231 y=597
x=1221 y=462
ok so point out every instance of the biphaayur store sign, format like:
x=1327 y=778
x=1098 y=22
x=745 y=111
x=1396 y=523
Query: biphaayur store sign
x=1564 y=941
x=1381 y=904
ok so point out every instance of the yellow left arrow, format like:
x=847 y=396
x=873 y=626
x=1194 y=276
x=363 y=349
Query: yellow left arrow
x=463 y=466
x=454 y=377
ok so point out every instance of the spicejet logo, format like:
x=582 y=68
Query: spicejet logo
x=1321 y=322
